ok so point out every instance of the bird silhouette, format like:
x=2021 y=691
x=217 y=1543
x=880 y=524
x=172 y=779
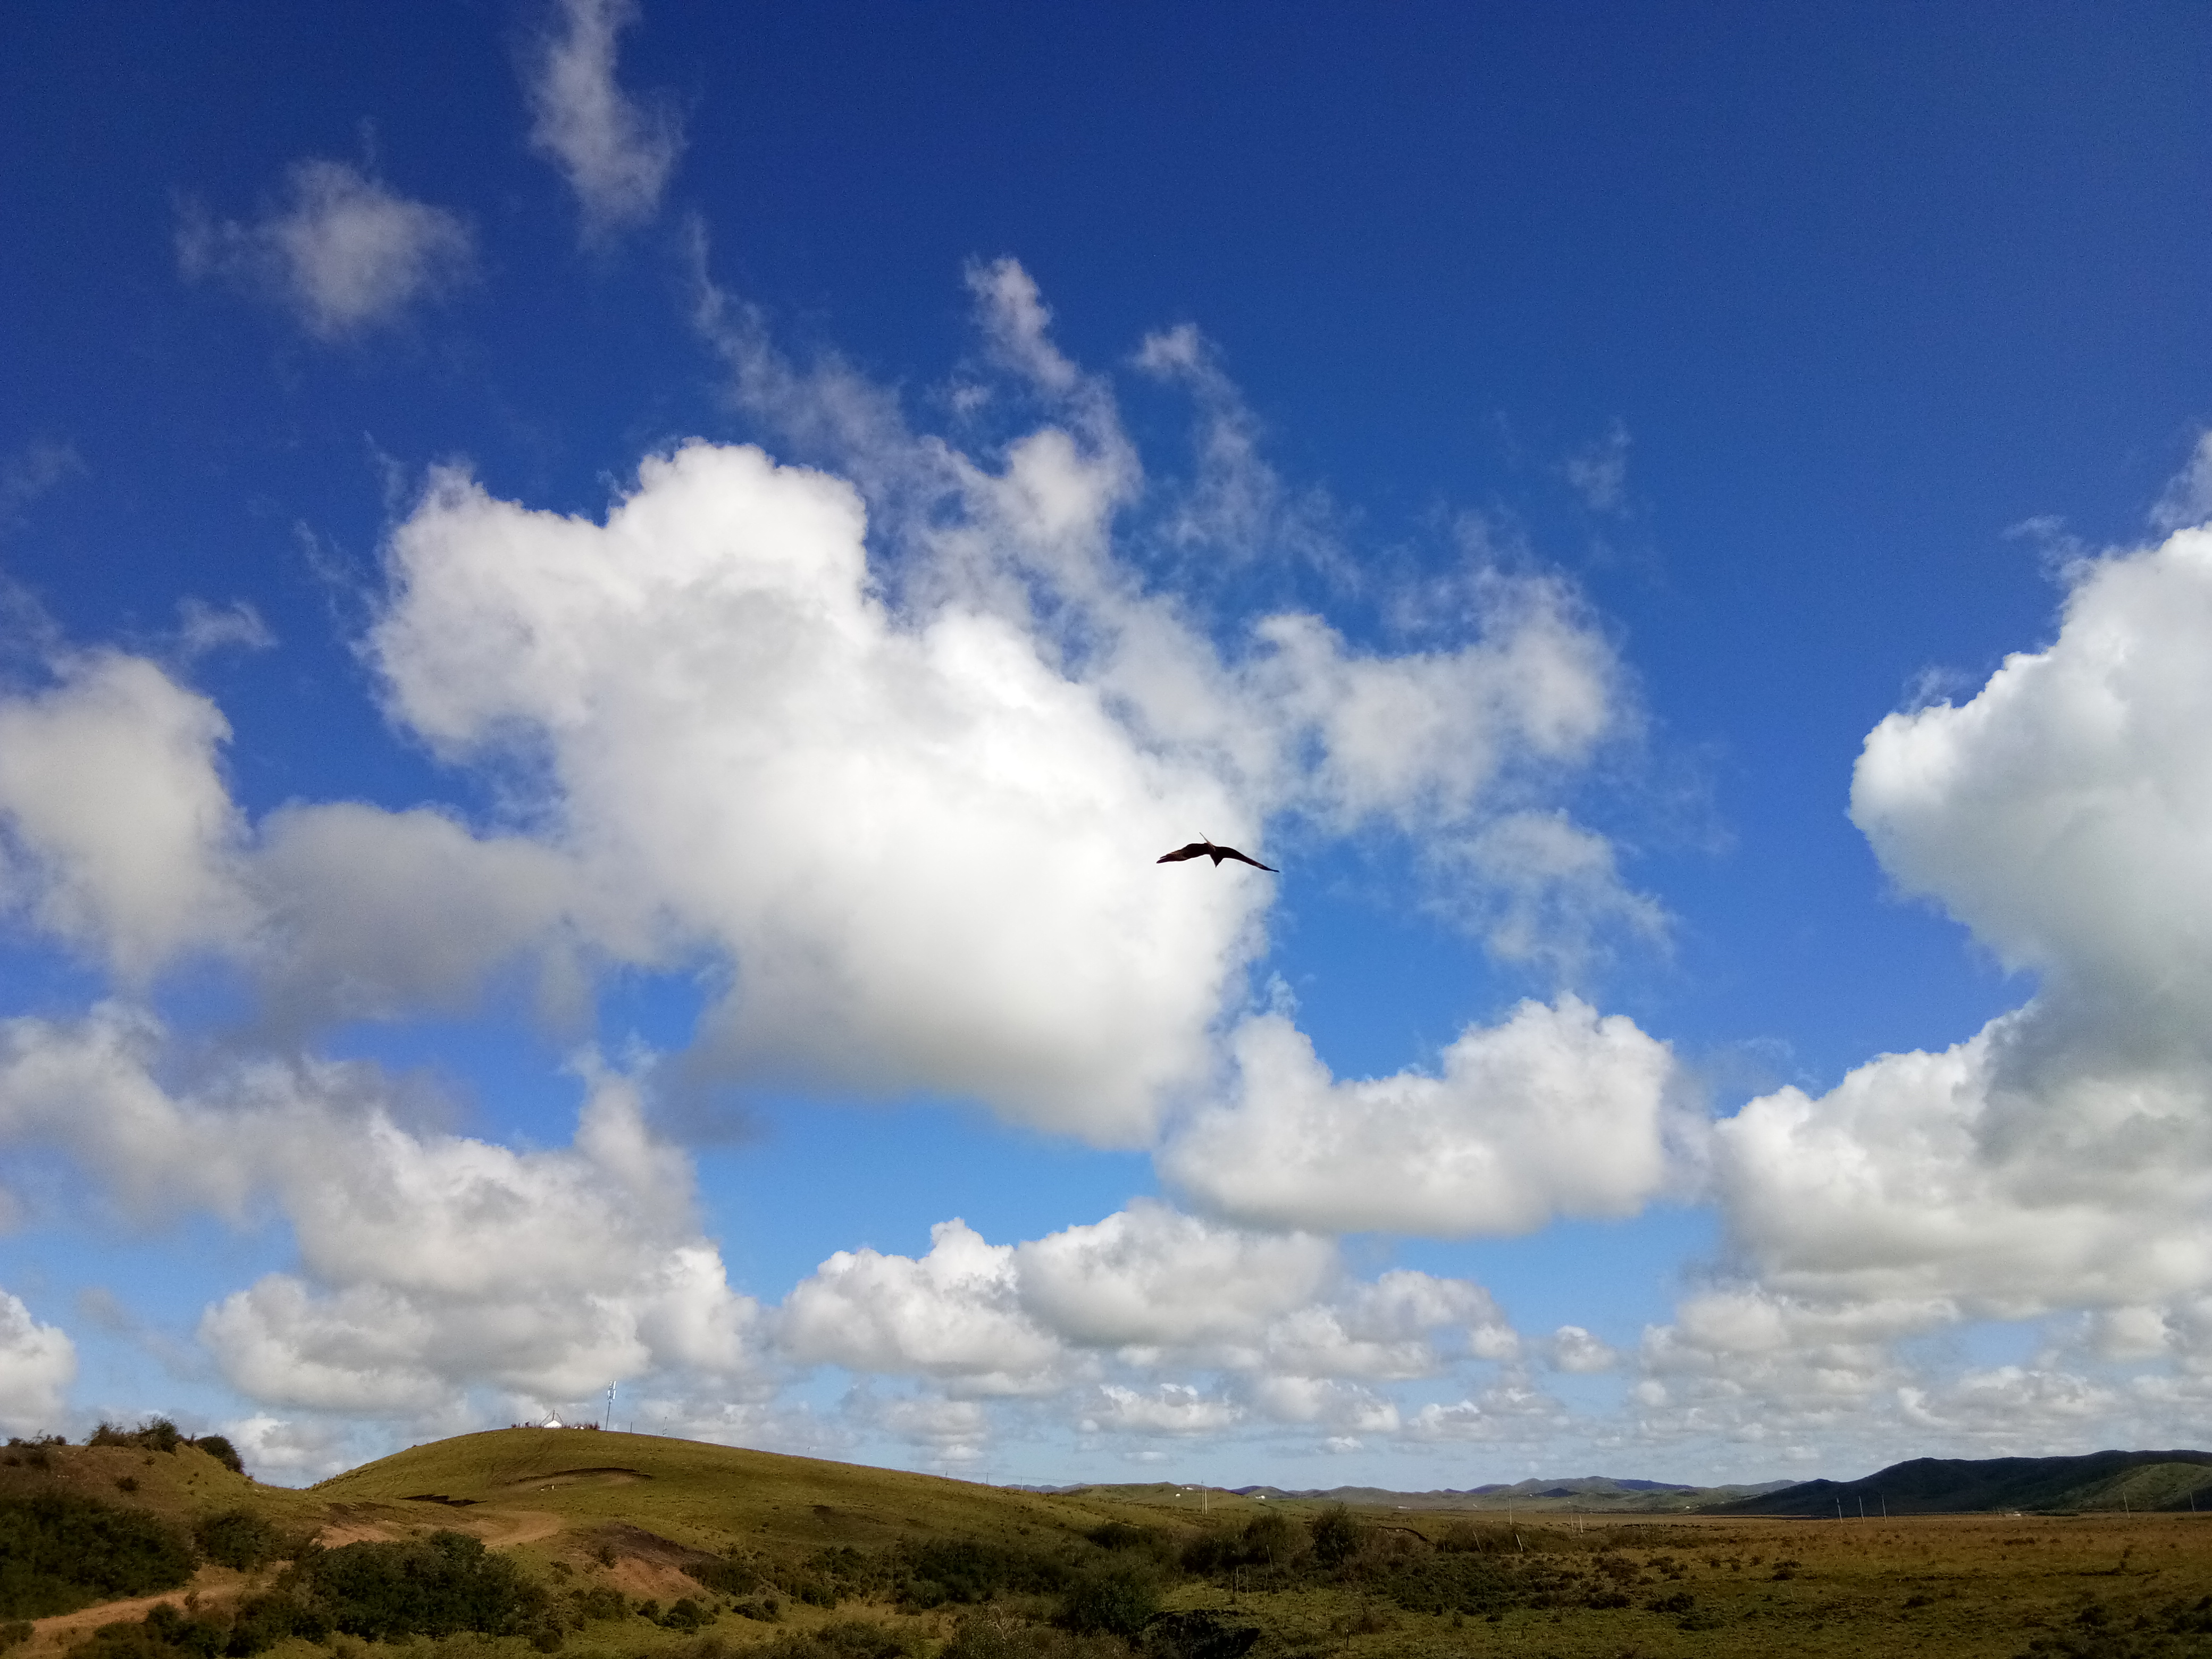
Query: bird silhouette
x=1206 y=849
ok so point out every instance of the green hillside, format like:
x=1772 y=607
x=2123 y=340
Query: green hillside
x=706 y=1497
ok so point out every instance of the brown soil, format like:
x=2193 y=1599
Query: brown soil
x=214 y=1587
x=577 y=1478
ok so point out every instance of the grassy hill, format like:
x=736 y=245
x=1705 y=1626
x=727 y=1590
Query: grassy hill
x=1941 y=1485
x=706 y=1497
x=182 y=1486
x=607 y=1546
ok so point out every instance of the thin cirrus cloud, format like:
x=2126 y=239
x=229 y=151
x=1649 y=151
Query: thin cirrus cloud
x=616 y=151
x=343 y=252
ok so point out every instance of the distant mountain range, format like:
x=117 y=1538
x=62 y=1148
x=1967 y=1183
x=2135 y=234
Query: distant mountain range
x=1924 y=1485
x=1941 y=1485
x=1585 y=1492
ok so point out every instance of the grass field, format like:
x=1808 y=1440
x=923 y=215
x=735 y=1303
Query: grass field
x=608 y=1522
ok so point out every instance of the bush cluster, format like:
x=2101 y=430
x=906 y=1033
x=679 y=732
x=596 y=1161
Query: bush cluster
x=159 y=1434
x=436 y=1586
x=432 y=1586
x=59 y=1551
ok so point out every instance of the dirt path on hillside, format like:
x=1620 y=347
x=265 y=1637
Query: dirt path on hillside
x=63 y=1628
x=508 y=1528
x=499 y=1530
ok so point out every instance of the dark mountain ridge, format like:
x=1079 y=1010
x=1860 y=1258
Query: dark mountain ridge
x=1941 y=1486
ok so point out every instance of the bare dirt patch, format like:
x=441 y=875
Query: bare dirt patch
x=213 y=1586
x=608 y=1477
x=348 y=1526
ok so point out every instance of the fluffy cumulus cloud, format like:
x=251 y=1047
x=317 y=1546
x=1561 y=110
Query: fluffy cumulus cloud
x=343 y=251
x=795 y=754
x=880 y=755
x=615 y=152
x=119 y=832
x=1559 y=1110
x=38 y=1363
x=2057 y=1159
x=430 y=1263
x=1113 y=1320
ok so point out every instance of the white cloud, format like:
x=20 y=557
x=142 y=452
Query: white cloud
x=429 y=1264
x=1149 y=1277
x=1558 y=1111
x=30 y=472
x=1112 y=1306
x=1519 y=693
x=292 y=1451
x=743 y=735
x=2059 y=1157
x=1233 y=503
x=952 y=1430
x=1540 y=888
x=1598 y=473
x=1573 y=1349
x=616 y=153
x=38 y=1363
x=344 y=253
x=926 y=850
x=2187 y=500
x=1169 y=1408
x=2059 y=1160
x=953 y=1315
x=121 y=834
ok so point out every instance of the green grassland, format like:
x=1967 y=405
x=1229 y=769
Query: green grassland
x=635 y=1544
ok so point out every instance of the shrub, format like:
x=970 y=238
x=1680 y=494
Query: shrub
x=686 y=1614
x=599 y=1604
x=164 y=1633
x=263 y=1621
x=1115 y=1598
x=433 y=1587
x=1336 y=1536
x=723 y=1577
x=238 y=1538
x=15 y=1632
x=222 y=1451
x=852 y=1639
x=154 y=1434
x=996 y=1634
x=59 y=1552
x=967 y=1570
x=1268 y=1539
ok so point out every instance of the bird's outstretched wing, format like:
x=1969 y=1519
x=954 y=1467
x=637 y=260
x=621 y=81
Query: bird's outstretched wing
x=1221 y=853
x=1197 y=850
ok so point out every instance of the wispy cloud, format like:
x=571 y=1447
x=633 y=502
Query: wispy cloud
x=616 y=152
x=1598 y=473
x=344 y=252
x=33 y=470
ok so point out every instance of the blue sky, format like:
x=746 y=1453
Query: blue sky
x=608 y=608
